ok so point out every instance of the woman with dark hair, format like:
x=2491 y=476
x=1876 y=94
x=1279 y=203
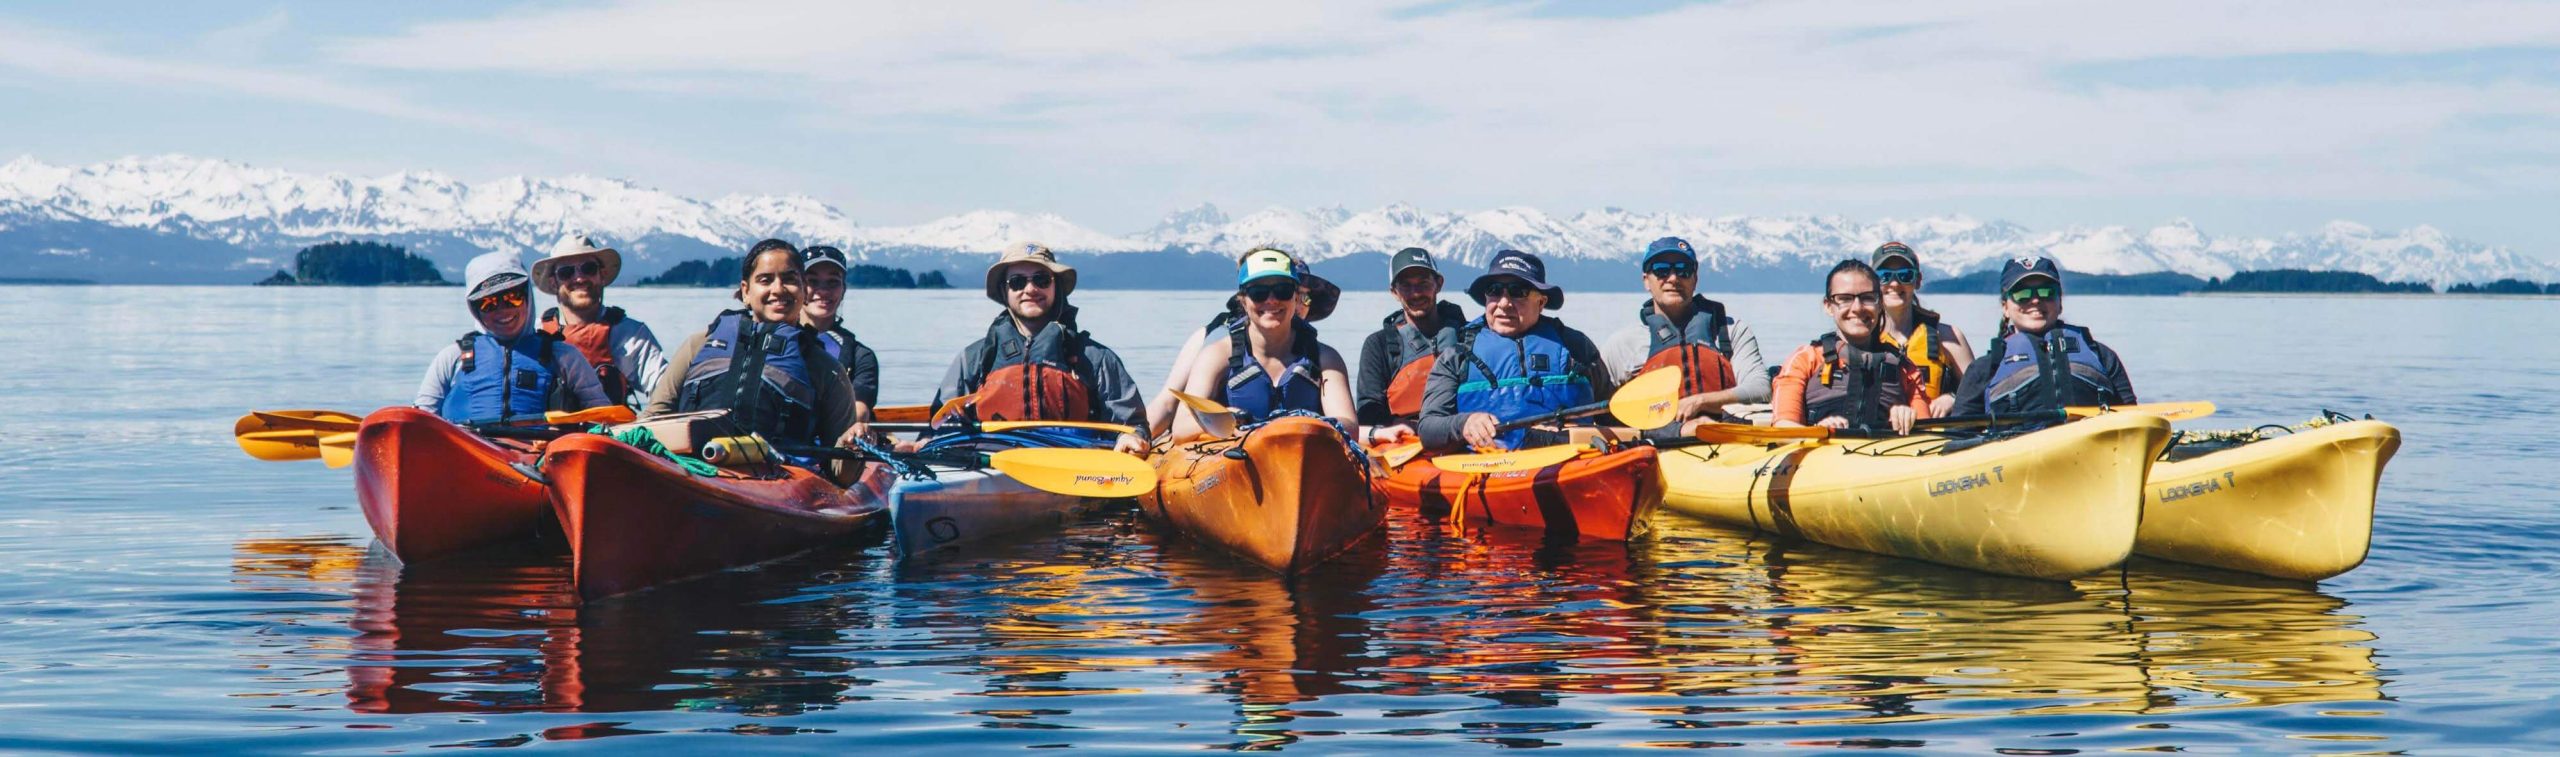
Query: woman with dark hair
x=1926 y=341
x=1849 y=377
x=757 y=362
x=1267 y=361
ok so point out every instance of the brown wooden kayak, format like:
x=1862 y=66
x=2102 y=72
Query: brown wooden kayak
x=1295 y=495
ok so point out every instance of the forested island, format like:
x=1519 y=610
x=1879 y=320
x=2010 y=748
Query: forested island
x=2297 y=280
x=723 y=272
x=357 y=264
x=1988 y=282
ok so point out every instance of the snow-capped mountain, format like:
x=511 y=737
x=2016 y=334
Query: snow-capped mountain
x=178 y=218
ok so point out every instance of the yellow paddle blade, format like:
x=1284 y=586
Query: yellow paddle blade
x=1216 y=419
x=609 y=414
x=2171 y=411
x=1736 y=433
x=281 y=446
x=288 y=420
x=1011 y=425
x=902 y=414
x=338 y=450
x=1077 y=472
x=1648 y=401
x=1505 y=462
x=1400 y=454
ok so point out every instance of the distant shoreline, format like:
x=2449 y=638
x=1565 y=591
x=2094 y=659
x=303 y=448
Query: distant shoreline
x=44 y=281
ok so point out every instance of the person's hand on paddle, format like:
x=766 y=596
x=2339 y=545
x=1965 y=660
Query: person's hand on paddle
x=1835 y=423
x=1392 y=434
x=1481 y=430
x=859 y=431
x=1943 y=406
x=1130 y=444
x=1696 y=406
x=1901 y=417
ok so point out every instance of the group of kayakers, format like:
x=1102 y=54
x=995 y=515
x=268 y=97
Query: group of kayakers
x=783 y=364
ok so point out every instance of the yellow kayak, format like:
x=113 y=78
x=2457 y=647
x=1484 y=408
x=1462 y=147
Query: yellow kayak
x=2058 y=503
x=2296 y=506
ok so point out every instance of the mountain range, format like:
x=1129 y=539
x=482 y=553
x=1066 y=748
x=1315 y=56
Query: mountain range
x=181 y=219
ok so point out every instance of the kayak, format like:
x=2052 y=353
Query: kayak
x=635 y=520
x=2298 y=505
x=957 y=507
x=1294 y=495
x=2056 y=503
x=1606 y=496
x=431 y=488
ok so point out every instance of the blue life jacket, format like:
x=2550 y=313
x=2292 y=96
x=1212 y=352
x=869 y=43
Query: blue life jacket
x=1249 y=387
x=499 y=382
x=1516 y=378
x=759 y=372
x=2021 y=384
x=838 y=342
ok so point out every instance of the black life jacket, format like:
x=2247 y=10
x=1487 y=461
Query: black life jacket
x=759 y=372
x=1860 y=385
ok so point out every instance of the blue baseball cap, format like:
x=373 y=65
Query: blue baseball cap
x=2021 y=269
x=1668 y=246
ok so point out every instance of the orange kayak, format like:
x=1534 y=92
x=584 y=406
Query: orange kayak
x=1603 y=496
x=430 y=488
x=636 y=520
x=1295 y=497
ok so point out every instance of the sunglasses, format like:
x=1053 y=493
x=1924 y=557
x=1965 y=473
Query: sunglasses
x=512 y=298
x=1017 y=281
x=2024 y=295
x=1269 y=292
x=1844 y=299
x=1671 y=270
x=589 y=268
x=1513 y=290
x=1897 y=275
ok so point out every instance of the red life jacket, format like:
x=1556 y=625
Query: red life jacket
x=1032 y=379
x=593 y=340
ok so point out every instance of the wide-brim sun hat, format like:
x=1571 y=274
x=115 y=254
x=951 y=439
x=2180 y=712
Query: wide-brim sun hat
x=1029 y=252
x=1518 y=265
x=570 y=248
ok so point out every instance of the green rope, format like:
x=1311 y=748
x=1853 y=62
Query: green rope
x=639 y=436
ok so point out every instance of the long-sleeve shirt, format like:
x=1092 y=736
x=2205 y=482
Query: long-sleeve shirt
x=1443 y=427
x=1631 y=346
x=636 y=353
x=1786 y=401
x=826 y=376
x=578 y=388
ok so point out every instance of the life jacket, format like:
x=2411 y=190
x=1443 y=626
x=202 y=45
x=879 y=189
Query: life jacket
x=1249 y=387
x=1035 y=379
x=759 y=372
x=1928 y=348
x=1860 y=385
x=1523 y=377
x=1702 y=347
x=838 y=342
x=1415 y=354
x=498 y=382
x=2020 y=383
x=593 y=339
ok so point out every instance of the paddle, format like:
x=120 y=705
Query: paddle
x=289 y=435
x=1072 y=472
x=1007 y=425
x=1216 y=419
x=902 y=414
x=1646 y=401
x=1735 y=433
x=1505 y=462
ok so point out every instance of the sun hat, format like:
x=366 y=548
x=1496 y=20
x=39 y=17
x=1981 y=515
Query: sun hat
x=1029 y=252
x=491 y=273
x=576 y=245
x=1518 y=265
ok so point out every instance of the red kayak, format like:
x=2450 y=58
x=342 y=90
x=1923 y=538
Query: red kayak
x=636 y=520
x=1606 y=497
x=431 y=489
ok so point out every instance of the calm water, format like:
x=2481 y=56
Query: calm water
x=162 y=592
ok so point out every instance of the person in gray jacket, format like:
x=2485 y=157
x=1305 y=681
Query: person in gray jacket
x=1034 y=364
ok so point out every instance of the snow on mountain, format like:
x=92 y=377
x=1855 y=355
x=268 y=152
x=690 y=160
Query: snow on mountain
x=175 y=214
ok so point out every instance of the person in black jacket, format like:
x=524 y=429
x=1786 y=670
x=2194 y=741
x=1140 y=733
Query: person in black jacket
x=1408 y=336
x=2039 y=363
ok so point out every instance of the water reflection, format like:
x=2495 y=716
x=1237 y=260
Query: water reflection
x=1497 y=638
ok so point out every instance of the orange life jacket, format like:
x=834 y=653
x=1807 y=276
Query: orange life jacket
x=593 y=339
x=1032 y=379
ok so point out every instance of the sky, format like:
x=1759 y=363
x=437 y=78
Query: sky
x=2253 y=118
